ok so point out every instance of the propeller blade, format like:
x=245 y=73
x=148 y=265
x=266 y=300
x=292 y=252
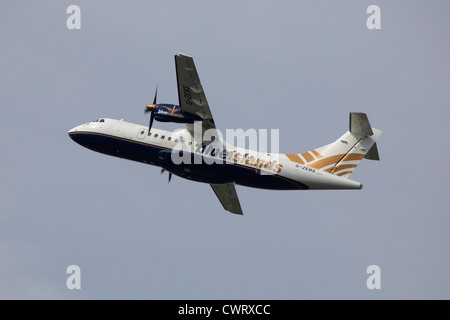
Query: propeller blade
x=151 y=108
x=156 y=93
x=170 y=174
x=152 y=117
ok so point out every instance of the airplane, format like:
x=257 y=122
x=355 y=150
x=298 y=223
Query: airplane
x=326 y=167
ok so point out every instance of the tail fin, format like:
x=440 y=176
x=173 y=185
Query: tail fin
x=342 y=156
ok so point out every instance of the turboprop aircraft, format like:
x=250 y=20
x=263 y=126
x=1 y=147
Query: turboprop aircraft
x=198 y=153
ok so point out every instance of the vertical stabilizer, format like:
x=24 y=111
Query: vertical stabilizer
x=342 y=156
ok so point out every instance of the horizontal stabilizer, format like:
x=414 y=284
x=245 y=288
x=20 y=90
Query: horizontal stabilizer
x=359 y=124
x=373 y=153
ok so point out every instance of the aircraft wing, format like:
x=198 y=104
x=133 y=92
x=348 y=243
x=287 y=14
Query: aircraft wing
x=191 y=96
x=228 y=197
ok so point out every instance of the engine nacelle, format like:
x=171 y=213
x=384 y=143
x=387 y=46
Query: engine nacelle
x=172 y=113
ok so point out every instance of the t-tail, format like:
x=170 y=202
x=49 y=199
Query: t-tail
x=342 y=156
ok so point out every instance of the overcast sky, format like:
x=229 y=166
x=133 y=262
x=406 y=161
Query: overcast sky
x=296 y=66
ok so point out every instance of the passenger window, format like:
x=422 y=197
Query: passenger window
x=155 y=136
x=190 y=142
x=162 y=137
x=176 y=140
x=169 y=138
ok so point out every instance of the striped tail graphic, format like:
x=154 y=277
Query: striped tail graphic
x=342 y=156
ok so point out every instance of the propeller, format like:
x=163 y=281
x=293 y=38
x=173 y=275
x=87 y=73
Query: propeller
x=151 y=108
x=170 y=174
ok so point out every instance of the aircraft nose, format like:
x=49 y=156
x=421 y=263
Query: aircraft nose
x=77 y=128
x=72 y=130
x=73 y=133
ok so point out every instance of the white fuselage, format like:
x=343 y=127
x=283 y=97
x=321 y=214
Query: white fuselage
x=216 y=165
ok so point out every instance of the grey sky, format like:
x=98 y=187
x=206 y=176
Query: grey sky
x=296 y=66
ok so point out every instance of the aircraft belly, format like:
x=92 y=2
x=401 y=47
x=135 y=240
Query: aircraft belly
x=218 y=173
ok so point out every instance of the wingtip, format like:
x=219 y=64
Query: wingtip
x=180 y=54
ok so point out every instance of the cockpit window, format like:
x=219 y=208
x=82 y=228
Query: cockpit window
x=101 y=120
